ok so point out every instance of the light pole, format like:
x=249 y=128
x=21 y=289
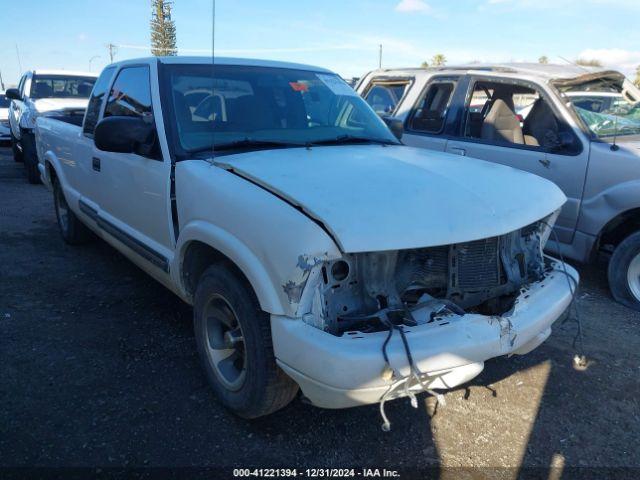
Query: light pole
x=92 y=59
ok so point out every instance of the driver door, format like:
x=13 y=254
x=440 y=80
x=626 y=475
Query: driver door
x=132 y=189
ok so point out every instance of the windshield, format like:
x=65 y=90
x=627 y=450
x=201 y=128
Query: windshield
x=245 y=107
x=61 y=86
x=605 y=108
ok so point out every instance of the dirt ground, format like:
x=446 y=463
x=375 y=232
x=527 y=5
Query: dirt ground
x=98 y=368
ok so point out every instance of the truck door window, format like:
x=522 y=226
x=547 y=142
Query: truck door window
x=385 y=96
x=130 y=94
x=431 y=110
x=95 y=101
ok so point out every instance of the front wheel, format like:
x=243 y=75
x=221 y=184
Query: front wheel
x=624 y=272
x=73 y=231
x=233 y=336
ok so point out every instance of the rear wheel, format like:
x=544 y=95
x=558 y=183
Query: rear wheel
x=233 y=336
x=73 y=231
x=624 y=272
x=17 y=154
x=30 y=157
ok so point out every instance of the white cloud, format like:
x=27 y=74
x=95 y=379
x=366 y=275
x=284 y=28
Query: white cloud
x=413 y=6
x=625 y=60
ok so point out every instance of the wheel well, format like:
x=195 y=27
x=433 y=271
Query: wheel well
x=619 y=228
x=197 y=258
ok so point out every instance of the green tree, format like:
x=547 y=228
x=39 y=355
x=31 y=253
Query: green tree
x=637 y=80
x=543 y=59
x=439 y=60
x=424 y=65
x=163 y=29
x=588 y=62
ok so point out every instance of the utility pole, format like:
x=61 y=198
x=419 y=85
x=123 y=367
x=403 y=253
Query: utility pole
x=380 y=57
x=112 y=51
x=1 y=82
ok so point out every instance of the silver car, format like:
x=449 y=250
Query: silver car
x=577 y=126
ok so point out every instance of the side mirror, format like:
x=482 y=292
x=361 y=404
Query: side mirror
x=395 y=125
x=13 y=94
x=125 y=135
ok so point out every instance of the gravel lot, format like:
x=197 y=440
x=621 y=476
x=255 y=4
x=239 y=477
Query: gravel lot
x=99 y=369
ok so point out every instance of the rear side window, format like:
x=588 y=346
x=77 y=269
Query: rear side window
x=96 y=99
x=130 y=94
x=431 y=112
x=384 y=97
x=4 y=102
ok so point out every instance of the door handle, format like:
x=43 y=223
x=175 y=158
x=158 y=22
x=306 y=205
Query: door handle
x=458 y=151
x=95 y=164
x=545 y=162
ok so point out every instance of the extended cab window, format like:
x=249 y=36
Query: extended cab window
x=431 y=111
x=506 y=113
x=384 y=96
x=130 y=94
x=96 y=99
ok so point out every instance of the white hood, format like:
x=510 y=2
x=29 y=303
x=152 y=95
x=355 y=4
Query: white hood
x=49 y=104
x=375 y=198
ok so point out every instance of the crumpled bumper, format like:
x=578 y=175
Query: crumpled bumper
x=340 y=372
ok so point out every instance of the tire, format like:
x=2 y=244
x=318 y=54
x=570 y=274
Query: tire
x=73 y=231
x=248 y=382
x=30 y=157
x=17 y=154
x=624 y=272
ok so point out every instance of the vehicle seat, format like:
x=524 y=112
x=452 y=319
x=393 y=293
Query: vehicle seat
x=43 y=90
x=84 y=90
x=502 y=124
x=541 y=125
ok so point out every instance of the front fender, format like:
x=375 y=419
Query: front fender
x=599 y=210
x=269 y=285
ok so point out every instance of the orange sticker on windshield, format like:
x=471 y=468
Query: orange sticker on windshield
x=299 y=86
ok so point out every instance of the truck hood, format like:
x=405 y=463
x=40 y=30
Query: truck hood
x=49 y=104
x=375 y=198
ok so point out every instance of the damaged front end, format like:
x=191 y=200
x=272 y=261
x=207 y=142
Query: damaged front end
x=364 y=292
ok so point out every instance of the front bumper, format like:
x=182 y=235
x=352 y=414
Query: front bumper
x=340 y=372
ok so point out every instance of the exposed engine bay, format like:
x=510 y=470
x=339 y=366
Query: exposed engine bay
x=365 y=291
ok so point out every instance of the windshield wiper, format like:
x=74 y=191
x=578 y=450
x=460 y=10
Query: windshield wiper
x=351 y=139
x=251 y=143
x=246 y=143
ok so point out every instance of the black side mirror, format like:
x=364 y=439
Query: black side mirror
x=395 y=125
x=13 y=94
x=125 y=135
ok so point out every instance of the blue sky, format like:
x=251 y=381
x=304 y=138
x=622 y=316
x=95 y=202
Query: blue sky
x=341 y=35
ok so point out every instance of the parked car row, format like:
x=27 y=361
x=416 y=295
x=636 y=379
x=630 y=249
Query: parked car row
x=577 y=127
x=318 y=251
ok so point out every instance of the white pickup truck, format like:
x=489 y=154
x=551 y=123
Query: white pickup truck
x=317 y=251
x=43 y=92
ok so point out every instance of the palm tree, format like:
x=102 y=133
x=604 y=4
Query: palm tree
x=637 y=81
x=592 y=62
x=438 y=60
x=424 y=65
